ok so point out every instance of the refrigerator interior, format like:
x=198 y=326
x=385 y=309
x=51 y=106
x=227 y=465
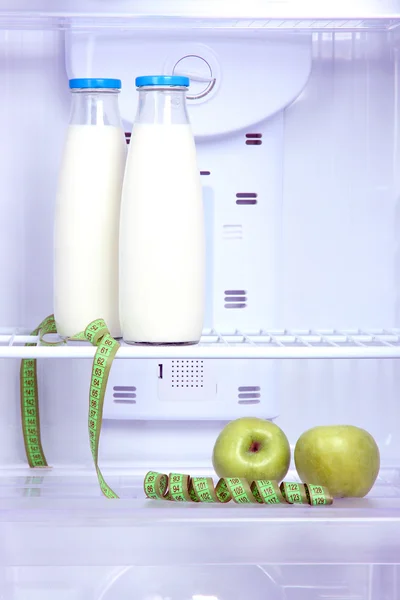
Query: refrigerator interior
x=298 y=146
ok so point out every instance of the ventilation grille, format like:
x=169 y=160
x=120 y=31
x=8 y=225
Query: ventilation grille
x=235 y=299
x=253 y=139
x=246 y=198
x=187 y=374
x=232 y=232
x=124 y=394
x=249 y=394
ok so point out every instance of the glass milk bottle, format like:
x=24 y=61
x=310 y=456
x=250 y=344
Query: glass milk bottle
x=162 y=244
x=86 y=233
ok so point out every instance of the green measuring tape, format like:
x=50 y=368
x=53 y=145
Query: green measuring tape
x=183 y=488
x=106 y=348
x=176 y=487
x=30 y=404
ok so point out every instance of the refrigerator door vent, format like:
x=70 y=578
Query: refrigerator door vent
x=249 y=394
x=246 y=198
x=124 y=394
x=235 y=299
x=253 y=139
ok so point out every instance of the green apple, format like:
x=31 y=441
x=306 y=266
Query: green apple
x=253 y=449
x=343 y=458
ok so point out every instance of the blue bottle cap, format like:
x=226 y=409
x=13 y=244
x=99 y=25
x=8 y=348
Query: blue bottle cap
x=156 y=80
x=87 y=83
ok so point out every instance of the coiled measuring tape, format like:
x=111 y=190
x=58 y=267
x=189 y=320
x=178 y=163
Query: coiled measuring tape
x=183 y=488
x=177 y=487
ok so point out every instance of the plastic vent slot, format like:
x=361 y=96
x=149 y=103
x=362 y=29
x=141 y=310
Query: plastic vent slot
x=235 y=299
x=253 y=139
x=124 y=394
x=249 y=394
x=246 y=198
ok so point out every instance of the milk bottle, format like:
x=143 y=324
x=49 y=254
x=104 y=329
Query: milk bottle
x=86 y=233
x=162 y=253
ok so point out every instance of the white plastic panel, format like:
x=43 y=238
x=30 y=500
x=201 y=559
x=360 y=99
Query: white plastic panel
x=11 y=441
x=284 y=61
x=246 y=208
x=341 y=188
x=191 y=389
x=33 y=115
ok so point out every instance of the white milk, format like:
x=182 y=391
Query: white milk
x=87 y=228
x=162 y=253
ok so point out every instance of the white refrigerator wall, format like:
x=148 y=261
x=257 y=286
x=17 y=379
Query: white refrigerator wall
x=318 y=249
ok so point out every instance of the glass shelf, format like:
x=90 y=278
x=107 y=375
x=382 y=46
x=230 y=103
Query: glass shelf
x=59 y=517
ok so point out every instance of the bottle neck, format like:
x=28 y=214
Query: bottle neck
x=162 y=106
x=95 y=107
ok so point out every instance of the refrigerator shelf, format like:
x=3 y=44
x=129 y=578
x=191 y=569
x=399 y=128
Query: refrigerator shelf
x=59 y=517
x=89 y=23
x=277 y=344
x=193 y=14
